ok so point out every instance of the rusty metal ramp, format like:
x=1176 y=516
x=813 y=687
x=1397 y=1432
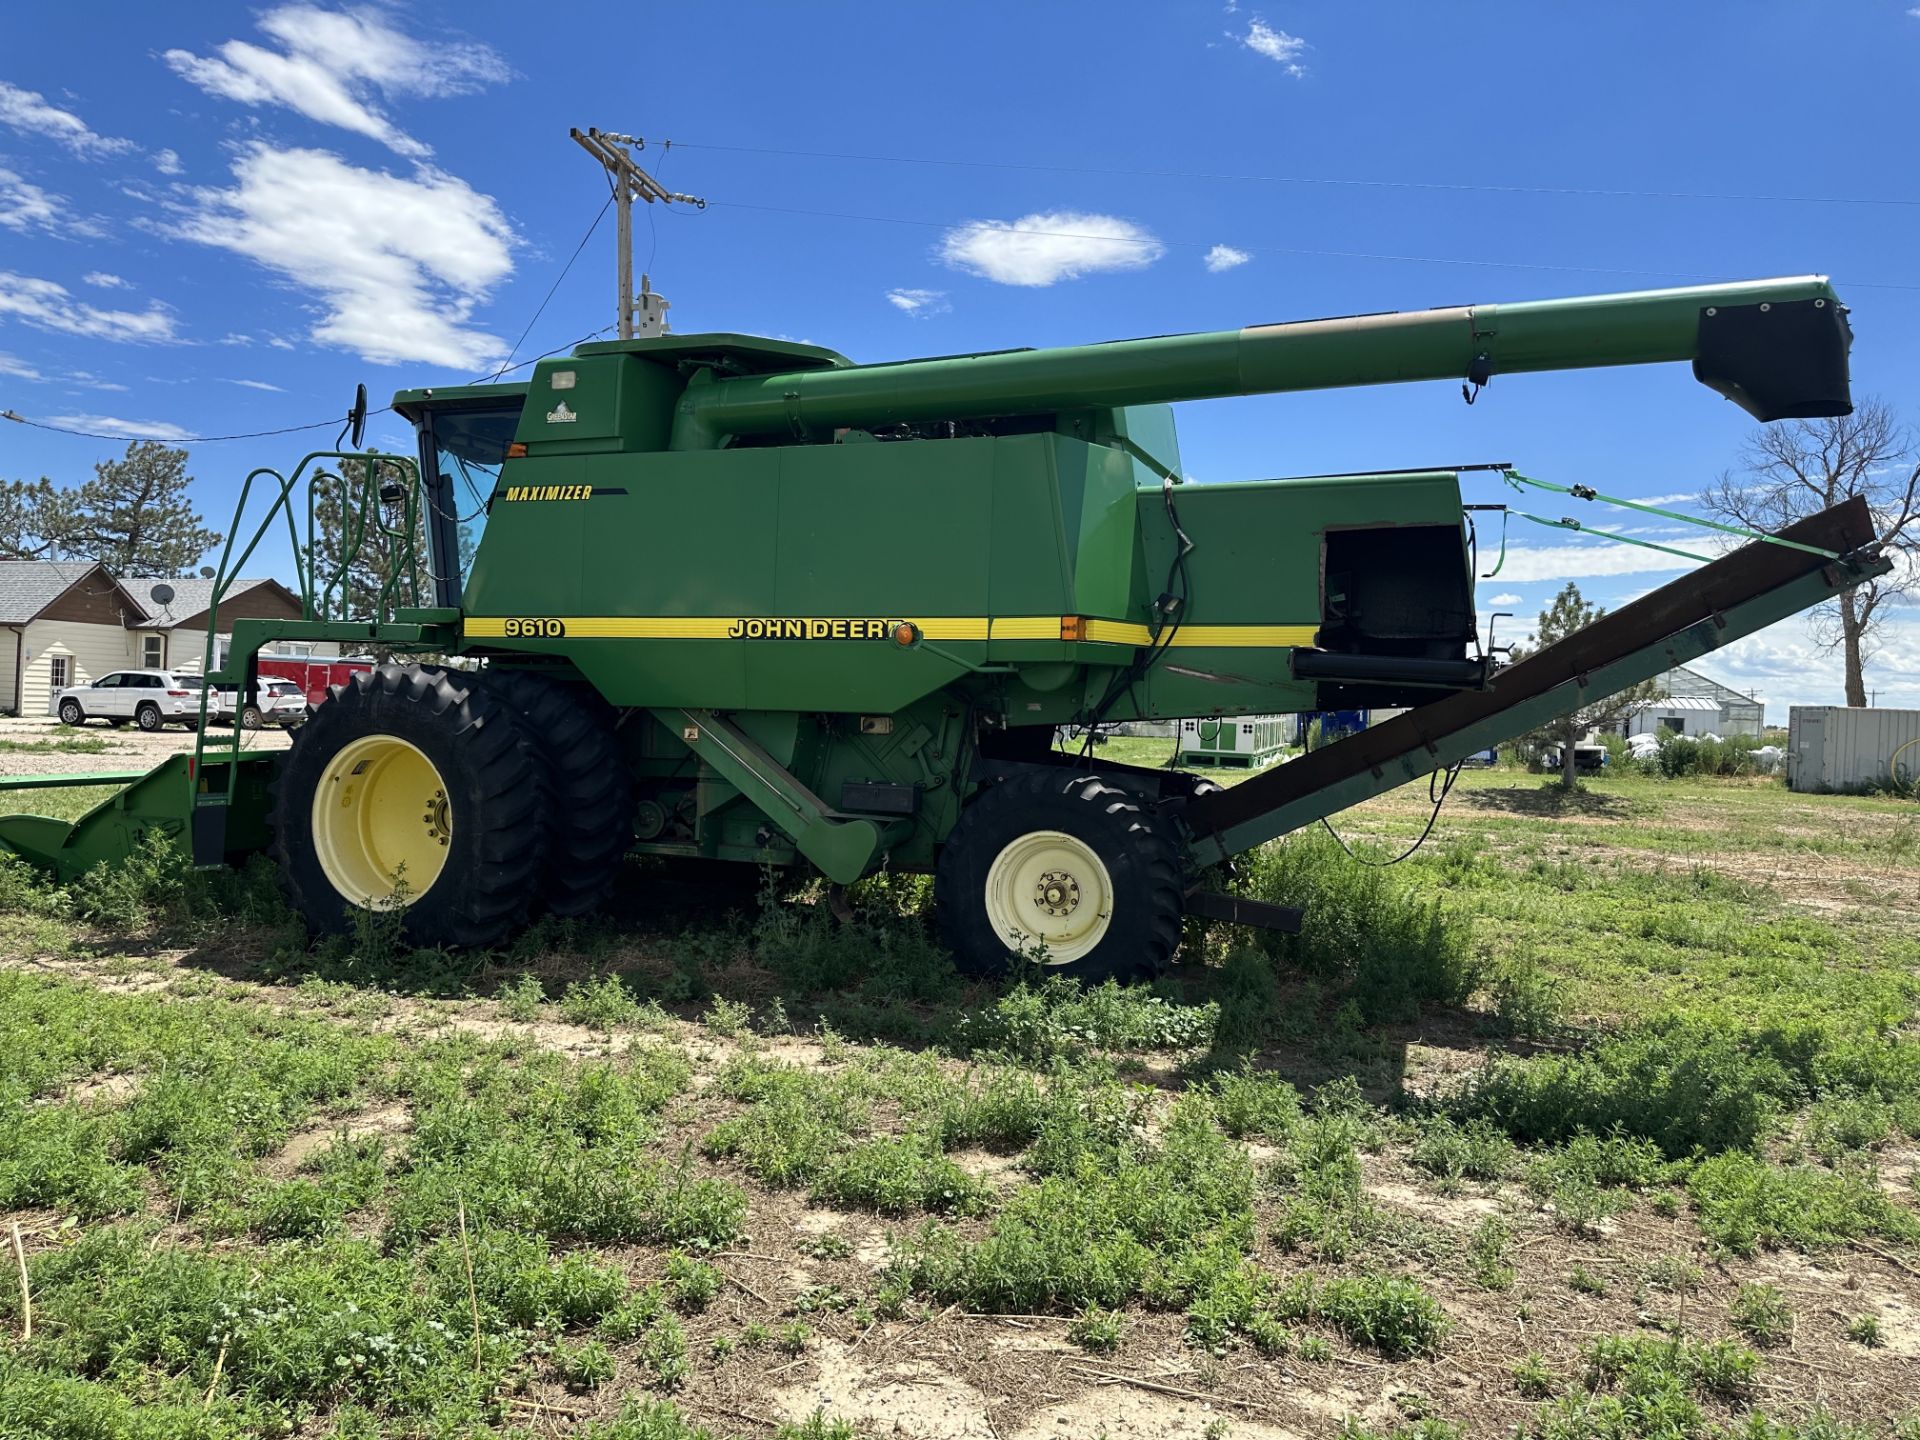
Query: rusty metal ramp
x=1743 y=591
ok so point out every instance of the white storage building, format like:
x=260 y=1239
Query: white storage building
x=1836 y=747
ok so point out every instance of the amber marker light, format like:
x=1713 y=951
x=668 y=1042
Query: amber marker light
x=1073 y=627
x=516 y=450
x=905 y=633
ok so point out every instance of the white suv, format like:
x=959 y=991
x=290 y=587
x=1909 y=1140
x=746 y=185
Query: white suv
x=277 y=702
x=149 y=698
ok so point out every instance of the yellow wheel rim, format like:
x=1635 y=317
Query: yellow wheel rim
x=1048 y=891
x=381 y=823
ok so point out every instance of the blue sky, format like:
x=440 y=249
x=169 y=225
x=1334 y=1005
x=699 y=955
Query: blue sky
x=217 y=218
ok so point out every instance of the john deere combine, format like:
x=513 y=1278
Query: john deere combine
x=738 y=599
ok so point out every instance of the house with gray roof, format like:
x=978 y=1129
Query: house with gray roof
x=68 y=622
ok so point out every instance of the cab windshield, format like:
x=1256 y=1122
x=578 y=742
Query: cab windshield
x=461 y=451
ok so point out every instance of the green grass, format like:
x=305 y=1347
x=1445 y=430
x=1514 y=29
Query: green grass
x=64 y=742
x=1646 y=1045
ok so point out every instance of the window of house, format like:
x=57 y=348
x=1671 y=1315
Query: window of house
x=60 y=671
x=153 y=652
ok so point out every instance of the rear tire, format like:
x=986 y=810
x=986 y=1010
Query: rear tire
x=71 y=713
x=250 y=718
x=411 y=766
x=591 y=789
x=147 y=717
x=1063 y=864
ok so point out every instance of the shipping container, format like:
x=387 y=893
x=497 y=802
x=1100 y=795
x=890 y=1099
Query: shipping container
x=1837 y=747
x=1250 y=740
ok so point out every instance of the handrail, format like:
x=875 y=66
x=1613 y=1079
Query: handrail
x=316 y=599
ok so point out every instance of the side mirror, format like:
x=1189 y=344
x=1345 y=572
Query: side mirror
x=357 y=417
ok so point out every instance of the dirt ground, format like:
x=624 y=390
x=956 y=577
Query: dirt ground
x=126 y=747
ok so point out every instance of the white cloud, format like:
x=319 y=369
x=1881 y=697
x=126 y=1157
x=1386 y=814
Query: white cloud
x=1679 y=497
x=1277 y=45
x=46 y=305
x=25 y=206
x=234 y=337
x=919 y=303
x=1580 y=562
x=105 y=281
x=1226 y=257
x=397 y=264
x=331 y=66
x=91 y=381
x=29 y=113
x=18 y=369
x=280 y=342
x=259 y=385
x=167 y=162
x=1053 y=245
x=123 y=429
x=1508 y=598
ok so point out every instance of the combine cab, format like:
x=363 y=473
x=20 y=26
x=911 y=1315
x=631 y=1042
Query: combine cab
x=738 y=599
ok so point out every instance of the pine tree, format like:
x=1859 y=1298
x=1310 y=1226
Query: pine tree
x=354 y=556
x=38 y=520
x=137 y=519
x=1571 y=612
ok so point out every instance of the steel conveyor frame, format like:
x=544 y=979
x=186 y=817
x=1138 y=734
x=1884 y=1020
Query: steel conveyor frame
x=1731 y=597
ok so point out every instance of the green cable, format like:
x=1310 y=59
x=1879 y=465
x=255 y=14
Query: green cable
x=1568 y=523
x=1587 y=492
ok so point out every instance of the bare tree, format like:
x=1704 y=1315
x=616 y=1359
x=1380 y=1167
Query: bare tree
x=1793 y=470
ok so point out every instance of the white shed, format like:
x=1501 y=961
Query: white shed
x=1837 y=747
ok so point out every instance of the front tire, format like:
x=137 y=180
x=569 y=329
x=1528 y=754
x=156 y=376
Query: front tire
x=1065 y=868
x=409 y=775
x=71 y=713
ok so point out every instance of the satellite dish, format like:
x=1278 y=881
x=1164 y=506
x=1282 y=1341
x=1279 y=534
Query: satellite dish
x=206 y=572
x=162 y=594
x=357 y=417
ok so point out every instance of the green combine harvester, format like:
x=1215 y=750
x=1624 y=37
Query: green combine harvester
x=734 y=599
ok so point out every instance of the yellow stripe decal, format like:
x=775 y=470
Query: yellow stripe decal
x=999 y=627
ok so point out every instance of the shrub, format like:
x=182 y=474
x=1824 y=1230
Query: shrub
x=1057 y=1018
x=1685 y=1084
x=1761 y=1312
x=1098 y=1330
x=584 y=1366
x=1474 y=1151
x=1391 y=949
x=901 y=1176
x=1745 y=1203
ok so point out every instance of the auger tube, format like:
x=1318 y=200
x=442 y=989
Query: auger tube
x=1776 y=347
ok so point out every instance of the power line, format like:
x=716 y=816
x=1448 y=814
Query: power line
x=334 y=422
x=1155 y=241
x=1333 y=181
x=177 y=439
x=553 y=288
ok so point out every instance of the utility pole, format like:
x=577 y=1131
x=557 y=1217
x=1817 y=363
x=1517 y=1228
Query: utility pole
x=629 y=182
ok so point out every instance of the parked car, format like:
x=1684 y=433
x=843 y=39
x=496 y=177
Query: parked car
x=1588 y=758
x=276 y=702
x=149 y=698
x=314 y=677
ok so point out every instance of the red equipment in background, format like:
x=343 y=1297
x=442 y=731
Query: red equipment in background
x=313 y=676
